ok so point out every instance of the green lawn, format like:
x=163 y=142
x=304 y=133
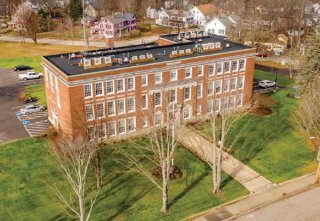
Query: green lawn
x=37 y=90
x=269 y=144
x=27 y=174
x=264 y=75
x=30 y=61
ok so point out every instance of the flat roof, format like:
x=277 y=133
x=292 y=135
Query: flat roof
x=69 y=64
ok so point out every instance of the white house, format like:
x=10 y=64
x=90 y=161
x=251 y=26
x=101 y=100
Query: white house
x=202 y=14
x=152 y=12
x=221 y=25
x=174 y=18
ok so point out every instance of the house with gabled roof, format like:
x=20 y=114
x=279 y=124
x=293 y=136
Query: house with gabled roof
x=174 y=18
x=221 y=25
x=202 y=14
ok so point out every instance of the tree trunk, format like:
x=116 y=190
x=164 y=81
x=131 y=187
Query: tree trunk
x=81 y=205
x=97 y=169
x=317 y=174
x=165 y=177
x=214 y=156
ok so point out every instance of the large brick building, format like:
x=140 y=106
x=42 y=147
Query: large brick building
x=119 y=91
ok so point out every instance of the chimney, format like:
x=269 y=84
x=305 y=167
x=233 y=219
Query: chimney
x=112 y=13
x=123 y=11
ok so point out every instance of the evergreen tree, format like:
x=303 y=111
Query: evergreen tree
x=75 y=9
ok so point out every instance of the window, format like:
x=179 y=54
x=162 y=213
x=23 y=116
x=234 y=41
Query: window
x=233 y=83
x=99 y=89
x=58 y=101
x=239 y=100
x=173 y=75
x=234 y=65
x=56 y=83
x=210 y=88
x=130 y=83
x=198 y=109
x=187 y=72
x=242 y=64
x=199 y=90
x=132 y=124
x=89 y=111
x=111 y=129
x=209 y=106
x=217 y=105
x=100 y=110
x=144 y=101
x=120 y=85
x=218 y=86
x=219 y=68
x=144 y=80
x=186 y=112
x=224 y=104
x=187 y=93
x=131 y=104
x=90 y=133
x=121 y=106
x=232 y=102
x=225 y=85
x=87 y=90
x=101 y=131
x=200 y=70
x=158 y=78
x=172 y=95
x=145 y=122
x=227 y=66
x=211 y=69
x=110 y=87
x=241 y=82
x=157 y=99
x=111 y=108
x=122 y=126
x=221 y=32
x=157 y=119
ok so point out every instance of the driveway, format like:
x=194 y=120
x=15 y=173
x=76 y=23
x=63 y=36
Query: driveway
x=10 y=126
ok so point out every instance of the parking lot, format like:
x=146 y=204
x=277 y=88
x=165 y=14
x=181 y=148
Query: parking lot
x=14 y=127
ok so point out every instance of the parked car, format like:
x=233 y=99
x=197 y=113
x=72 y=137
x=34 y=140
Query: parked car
x=28 y=100
x=261 y=54
x=30 y=75
x=31 y=108
x=267 y=83
x=22 y=68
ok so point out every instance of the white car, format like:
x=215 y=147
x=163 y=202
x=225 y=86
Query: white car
x=30 y=75
x=32 y=108
x=267 y=83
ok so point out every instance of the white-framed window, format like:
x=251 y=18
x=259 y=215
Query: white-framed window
x=209 y=106
x=111 y=108
x=241 y=82
x=58 y=101
x=227 y=66
x=121 y=106
x=211 y=69
x=56 y=83
x=131 y=124
x=232 y=102
x=173 y=95
x=239 y=100
x=224 y=103
x=233 y=83
x=110 y=87
x=120 y=85
x=130 y=83
x=218 y=86
x=235 y=65
x=101 y=131
x=99 y=89
x=90 y=132
x=131 y=104
x=199 y=90
x=200 y=70
x=173 y=75
x=188 y=72
x=198 y=109
x=225 y=85
x=158 y=119
x=217 y=105
x=219 y=68
x=88 y=90
x=145 y=121
x=157 y=99
x=158 y=78
x=100 y=110
x=210 y=88
x=187 y=112
x=187 y=93
x=89 y=111
x=122 y=126
x=242 y=64
x=144 y=101
x=111 y=128
x=144 y=80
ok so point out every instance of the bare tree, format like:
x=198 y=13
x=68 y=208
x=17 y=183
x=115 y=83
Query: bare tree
x=32 y=27
x=74 y=157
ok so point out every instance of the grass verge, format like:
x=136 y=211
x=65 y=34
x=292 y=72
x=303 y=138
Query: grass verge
x=37 y=90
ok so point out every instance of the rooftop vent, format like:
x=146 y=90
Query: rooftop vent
x=228 y=45
x=142 y=58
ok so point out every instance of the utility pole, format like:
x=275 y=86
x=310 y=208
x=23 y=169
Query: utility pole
x=85 y=39
x=290 y=68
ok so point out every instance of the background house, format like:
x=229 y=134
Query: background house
x=175 y=18
x=222 y=25
x=202 y=14
x=92 y=9
x=152 y=12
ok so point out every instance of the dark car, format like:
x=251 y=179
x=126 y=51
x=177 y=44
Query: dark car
x=22 y=68
x=261 y=54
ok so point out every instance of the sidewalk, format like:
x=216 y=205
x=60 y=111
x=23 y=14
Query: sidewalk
x=252 y=202
x=249 y=178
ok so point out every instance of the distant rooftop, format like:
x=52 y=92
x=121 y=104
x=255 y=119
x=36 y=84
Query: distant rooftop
x=185 y=45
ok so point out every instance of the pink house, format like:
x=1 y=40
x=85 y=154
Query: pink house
x=115 y=25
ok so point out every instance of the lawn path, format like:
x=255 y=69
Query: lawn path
x=197 y=144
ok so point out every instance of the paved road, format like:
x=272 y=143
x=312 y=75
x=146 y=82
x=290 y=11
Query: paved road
x=301 y=207
x=137 y=41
